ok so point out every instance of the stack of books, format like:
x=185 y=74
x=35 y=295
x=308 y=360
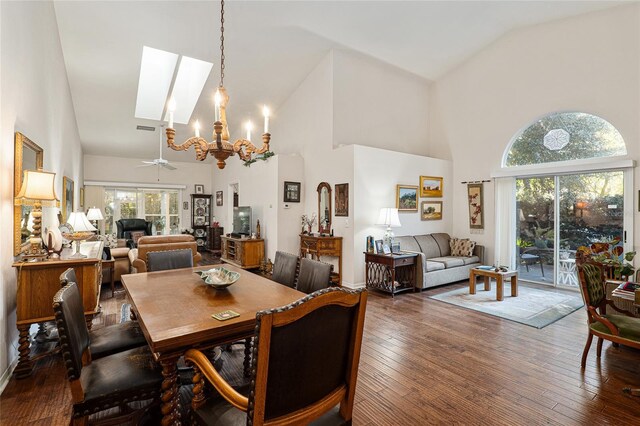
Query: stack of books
x=626 y=290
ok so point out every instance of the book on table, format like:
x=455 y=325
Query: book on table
x=626 y=290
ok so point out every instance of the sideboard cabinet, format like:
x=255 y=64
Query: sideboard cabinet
x=317 y=246
x=38 y=282
x=244 y=253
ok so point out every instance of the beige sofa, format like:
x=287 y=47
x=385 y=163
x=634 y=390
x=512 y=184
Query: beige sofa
x=436 y=265
x=138 y=256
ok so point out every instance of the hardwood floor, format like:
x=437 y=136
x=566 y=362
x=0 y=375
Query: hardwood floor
x=428 y=362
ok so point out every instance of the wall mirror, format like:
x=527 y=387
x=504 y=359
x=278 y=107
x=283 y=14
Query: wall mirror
x=27 y=156
x=324 y=208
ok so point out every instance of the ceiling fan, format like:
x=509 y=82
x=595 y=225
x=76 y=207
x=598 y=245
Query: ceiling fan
x=160 y=162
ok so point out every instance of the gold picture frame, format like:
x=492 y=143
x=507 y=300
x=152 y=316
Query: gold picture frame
x=82 y=198
x=431 y=210
x=431 y=186
x=407 y=198
x=27 y=155
x=67 y=197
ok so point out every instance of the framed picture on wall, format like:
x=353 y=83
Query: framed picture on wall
x=476 y=207
x=430 y=186
x=82 y=197
x=67 y=197
x=292 y=192
x=407 y=198
x=342 y=199
x=199 y=189
x=219 y=198
x=431 y=210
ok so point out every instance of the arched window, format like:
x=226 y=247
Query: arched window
x=565 y=136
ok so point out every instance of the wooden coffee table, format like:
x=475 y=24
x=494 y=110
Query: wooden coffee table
x=498 y=276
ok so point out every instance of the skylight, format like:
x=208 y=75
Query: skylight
x=156 y=73
x=192 y=75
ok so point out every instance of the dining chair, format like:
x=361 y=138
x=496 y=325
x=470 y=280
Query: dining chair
x=314 y=275
x=620 y=329
x=112 y=338
x=108 y=382
x=169 y=259
x=285 y=268
x=305 y=364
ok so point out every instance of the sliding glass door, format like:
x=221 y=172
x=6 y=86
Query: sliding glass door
x=558 y=214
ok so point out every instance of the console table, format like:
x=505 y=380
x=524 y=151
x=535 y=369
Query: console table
x=391 y=273
x=316 y=246
x=245 y=253
x=38 y=282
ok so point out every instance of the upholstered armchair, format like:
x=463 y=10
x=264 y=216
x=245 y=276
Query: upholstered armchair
x=138 y=256
x=126 y=226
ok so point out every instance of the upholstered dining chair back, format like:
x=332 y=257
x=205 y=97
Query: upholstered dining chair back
x=169 y=259
x=305 y=362
x=314 y=275
x=155 y=243
x=592 y=280
x=68 y=276
x=285 y=268
x=72 y=328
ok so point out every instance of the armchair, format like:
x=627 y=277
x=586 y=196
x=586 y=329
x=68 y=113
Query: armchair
x=138 y=257
x=126 y=226
x=297 y=376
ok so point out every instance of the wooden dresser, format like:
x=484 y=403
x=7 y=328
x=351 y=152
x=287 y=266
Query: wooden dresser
x=38 y=282
x=244 y=253
x=215 y=241
x=318 y=246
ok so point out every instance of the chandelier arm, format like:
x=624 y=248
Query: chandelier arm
x=201 y=146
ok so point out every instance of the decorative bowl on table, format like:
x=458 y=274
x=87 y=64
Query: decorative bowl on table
x=77 y=237
x=218 y=277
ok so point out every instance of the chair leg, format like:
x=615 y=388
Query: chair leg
x=586 y=350
x=599 y=351
x=541 y=268
x=80 y=421
x=526 y=265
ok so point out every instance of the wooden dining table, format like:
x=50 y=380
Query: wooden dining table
x=175 y=308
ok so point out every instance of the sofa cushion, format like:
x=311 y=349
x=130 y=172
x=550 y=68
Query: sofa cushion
x=407 y=243
x=428 y=246
x=449 y=262
x=471 y=259
x=434 y=266
x=442 y=239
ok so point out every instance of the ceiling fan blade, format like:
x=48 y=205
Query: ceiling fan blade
x=145 y=165
x=168 y=166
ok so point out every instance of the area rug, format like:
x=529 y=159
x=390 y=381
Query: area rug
x=125 y=312
x=534 y=306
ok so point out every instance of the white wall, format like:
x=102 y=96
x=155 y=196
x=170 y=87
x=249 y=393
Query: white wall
x=587 y=63
x=118 y=169
x=377 y=172
x=35 y=101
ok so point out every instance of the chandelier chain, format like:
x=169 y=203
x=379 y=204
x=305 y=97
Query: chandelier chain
x=221 y=43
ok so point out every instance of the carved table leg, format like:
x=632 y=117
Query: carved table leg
x=89 y=320
x=247 y=357
x=25 y=365
x=169 y=399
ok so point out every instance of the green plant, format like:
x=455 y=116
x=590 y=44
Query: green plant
x=611 y=253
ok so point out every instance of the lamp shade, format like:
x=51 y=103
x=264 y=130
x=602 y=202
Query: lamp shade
x=94 y=213
x=389 y=217
x=37 y=186
x=80 y=223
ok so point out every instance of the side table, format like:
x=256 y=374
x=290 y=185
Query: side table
x=391 y=273
x=498 y=276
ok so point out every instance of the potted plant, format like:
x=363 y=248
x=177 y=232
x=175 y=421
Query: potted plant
x=611 y=254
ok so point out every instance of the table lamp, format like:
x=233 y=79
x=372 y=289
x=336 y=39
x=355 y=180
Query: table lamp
x=82 y=230
x=37 y=190
x=389 y=218
x=94 y=215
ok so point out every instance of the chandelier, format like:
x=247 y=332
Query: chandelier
x=221 y=148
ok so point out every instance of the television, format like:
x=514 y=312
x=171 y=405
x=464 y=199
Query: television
x=242 y=220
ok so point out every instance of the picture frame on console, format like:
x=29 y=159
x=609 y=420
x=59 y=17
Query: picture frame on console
x=379 y=247
x=292 y=192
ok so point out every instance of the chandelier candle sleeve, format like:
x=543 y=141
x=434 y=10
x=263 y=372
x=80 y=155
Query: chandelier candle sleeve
x=197 y=127
x=265 y=112
x=217 y=99
x=171 y=107
x=249 y=126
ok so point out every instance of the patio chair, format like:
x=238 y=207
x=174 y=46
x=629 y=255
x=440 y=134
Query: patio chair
x=619 y=329
x=531 y=256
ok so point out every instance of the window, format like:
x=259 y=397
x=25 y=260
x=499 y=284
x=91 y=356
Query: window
x=565 y=136
x=158 y=206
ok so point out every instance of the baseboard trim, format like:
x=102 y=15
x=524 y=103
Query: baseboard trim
x=6 y=376
x=352 y=285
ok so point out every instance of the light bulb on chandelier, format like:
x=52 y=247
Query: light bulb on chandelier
x=220 y=148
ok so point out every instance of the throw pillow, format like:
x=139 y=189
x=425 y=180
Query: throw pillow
x=462 y=247
x=110 y=240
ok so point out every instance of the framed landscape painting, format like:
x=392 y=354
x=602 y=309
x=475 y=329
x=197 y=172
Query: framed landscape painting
x=430 y=186
x=407 y=198
x=431 y=210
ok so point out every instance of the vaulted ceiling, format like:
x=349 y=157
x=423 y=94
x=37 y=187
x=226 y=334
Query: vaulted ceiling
x=270 y=46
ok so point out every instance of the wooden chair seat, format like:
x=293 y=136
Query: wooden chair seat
x=628 y=327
